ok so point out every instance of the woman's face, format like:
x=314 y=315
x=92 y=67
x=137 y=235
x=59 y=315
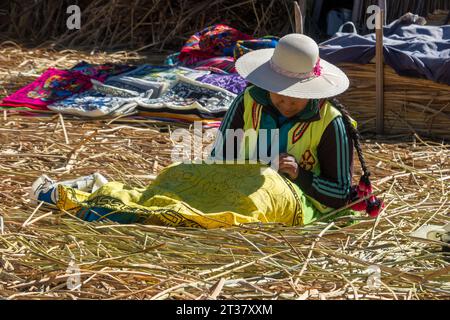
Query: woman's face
x=288 y=106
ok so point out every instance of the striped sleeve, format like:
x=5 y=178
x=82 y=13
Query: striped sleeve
x=233 y=119
x=335 y=155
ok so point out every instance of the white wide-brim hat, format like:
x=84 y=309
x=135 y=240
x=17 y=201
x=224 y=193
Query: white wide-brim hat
x=293 y=69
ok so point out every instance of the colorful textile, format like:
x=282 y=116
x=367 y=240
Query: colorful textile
x=151 y=89
x=216 y=48
x=95 y=103
x=220 y=65
x=112 y=90
x=213 y=41
x=156 y=73
x=225 y=64
x=198 y=196
x=231 y=82
x=244 y=46
x=172 y=59
x=188 y=94
x=18 y=107
x=103 y=71
x=53 y=85
x=45 y=189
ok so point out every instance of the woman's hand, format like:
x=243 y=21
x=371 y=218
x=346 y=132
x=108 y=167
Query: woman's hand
x=288 y=165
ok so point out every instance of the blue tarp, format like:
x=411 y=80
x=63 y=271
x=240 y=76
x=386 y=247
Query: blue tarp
x=410 y=49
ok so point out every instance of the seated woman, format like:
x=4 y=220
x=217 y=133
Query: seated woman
x=289 y=88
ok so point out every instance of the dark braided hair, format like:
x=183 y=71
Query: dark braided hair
x=372 y=205
x=354 y=135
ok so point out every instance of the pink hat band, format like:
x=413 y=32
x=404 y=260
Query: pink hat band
x=316 y=72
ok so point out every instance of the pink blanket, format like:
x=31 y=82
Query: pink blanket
x=53 y=85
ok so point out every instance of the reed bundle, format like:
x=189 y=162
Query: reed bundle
x=158 y=25
x=140 y=24
x=438 y=17
x=411 y=104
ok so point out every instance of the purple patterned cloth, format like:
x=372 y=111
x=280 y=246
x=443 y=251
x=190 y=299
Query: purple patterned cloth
x=231 y=82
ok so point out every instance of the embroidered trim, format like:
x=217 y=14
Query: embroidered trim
x=256 y=111
x=301 y=128
x=299 y=131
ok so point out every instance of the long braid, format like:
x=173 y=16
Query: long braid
x=354 y=135
x=372 y=205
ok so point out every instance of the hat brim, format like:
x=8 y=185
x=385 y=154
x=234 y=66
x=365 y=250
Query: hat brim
x=254 y=66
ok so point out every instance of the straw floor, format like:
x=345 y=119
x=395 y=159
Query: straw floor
x=41 y=247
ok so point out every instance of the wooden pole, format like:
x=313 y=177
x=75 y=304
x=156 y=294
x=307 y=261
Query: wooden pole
x=357 y=5
x=383 y=6
x=379 y=72
x=298 y=16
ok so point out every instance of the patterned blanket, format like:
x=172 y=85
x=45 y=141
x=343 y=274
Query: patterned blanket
x=102 y=100
x=194 y=195
x=188 y=94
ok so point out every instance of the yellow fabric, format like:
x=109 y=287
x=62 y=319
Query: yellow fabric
x=252 y=121
x=197 y=195
x=69 y=198
x=304 y=139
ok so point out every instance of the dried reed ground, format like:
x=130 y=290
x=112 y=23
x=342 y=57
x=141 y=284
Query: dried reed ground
x=322 y=261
